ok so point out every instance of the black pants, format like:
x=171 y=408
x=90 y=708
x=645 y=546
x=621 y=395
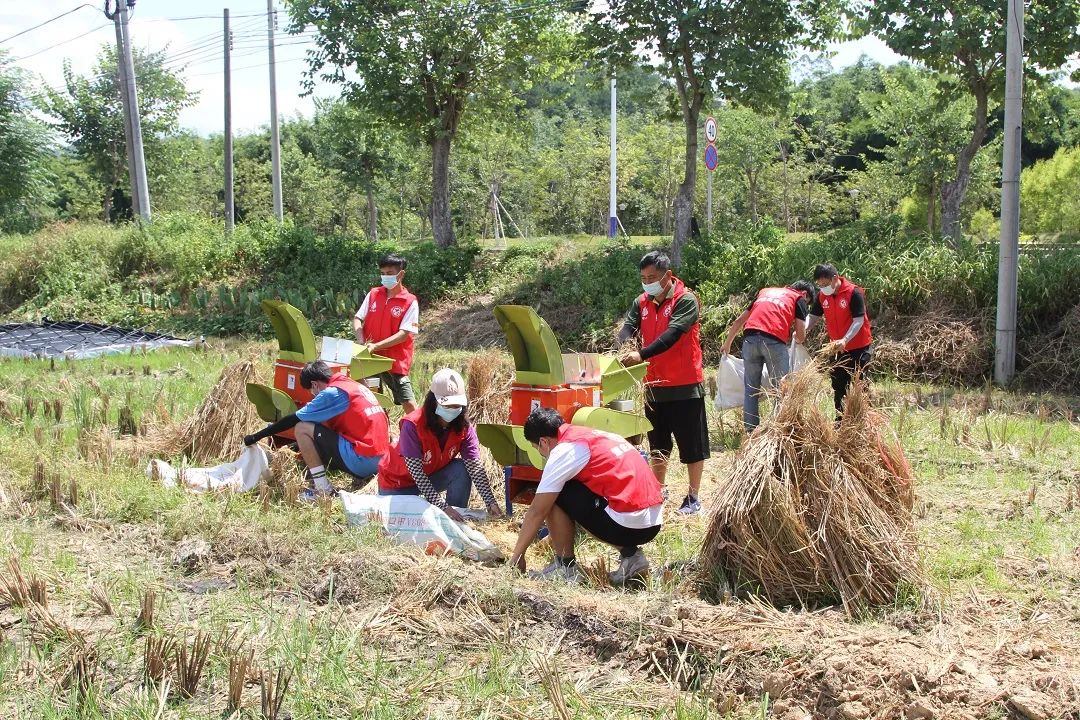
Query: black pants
x=847 y=364
x=587 y=509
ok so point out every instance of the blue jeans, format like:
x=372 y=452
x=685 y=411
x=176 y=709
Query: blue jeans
x=452 y=479
x=758 y=352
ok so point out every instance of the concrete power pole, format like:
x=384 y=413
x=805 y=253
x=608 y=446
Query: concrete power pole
x=1009 y=250
x=122 y=73
x=275 y=138
x=131 y=99
x=613 y=215
x=229 y=208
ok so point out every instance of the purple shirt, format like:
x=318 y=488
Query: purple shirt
x=409 y=442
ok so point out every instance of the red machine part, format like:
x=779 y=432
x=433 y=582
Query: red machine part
x=287 y=380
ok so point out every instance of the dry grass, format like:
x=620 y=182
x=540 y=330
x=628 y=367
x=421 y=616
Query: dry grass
x=284 y=477
x=934 y=346
x=239 y=666
x=145 y=620
x=158 y=656
x=20 y=589
x=1052 y=360
x=100 y=596
x=190 y=664
x=490 y=374
x=273 y=687
x=815 y=513
x=217 y=426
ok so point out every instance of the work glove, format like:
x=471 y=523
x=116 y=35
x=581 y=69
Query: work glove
x=250 y=440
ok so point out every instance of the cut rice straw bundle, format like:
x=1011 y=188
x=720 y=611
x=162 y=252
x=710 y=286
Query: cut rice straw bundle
x=489 y=375
x=217 y=427
x=815 y=513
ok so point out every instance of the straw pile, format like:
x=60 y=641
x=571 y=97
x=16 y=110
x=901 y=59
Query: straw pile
x=813 y=513
x=934 y=346
x=217 y=427
x=489 y=375
x=1052 y=359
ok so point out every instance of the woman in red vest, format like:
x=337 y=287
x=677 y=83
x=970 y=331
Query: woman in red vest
x=769 y=322
x=598 y=481
x=437 y=452
x=386 y=323
x=843 y=305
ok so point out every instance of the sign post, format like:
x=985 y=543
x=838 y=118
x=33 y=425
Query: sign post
x=712 y=159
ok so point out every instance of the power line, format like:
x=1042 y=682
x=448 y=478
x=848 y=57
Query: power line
x=50 y=20
x=62 y=42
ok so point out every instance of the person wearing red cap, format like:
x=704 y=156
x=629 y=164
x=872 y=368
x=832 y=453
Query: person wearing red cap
x=843 y=306
x=768 y=323
x=438 y=453
x=595 y=480
x=386 y=324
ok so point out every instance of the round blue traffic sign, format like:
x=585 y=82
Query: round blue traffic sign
x=711 y=158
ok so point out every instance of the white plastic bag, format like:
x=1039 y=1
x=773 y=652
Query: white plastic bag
x=242 y=475
x=410 y=519
x=729 y=376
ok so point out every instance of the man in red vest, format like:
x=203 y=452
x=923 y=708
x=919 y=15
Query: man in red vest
x=665 y=319
x=386 y=323
x=598 y=481
x=769 y=322
x=342 y=428
x=438 y=452
x=843 y=305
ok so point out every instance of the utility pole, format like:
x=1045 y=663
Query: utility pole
x=122 y=73
x=229 y=209
x=275 y=138
x=132 y=101
x=613 y=216
x=1009 y=250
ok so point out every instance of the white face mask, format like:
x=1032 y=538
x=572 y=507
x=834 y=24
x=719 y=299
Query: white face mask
x=652 y=289
x=388 y=281
x=447 y=414
x=827 y=290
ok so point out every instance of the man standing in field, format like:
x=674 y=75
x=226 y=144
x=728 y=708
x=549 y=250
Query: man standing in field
x=386 y=324
x=769 y=321
x=594 y=480
x=843 y=305
x=665 y=319
x=342 y=428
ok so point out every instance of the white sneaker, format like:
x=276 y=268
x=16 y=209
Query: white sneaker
x=629 y=568
x=556 y=571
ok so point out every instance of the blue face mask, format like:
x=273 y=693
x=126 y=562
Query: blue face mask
x=388 y=281
x=652 y=289
x=447 y=414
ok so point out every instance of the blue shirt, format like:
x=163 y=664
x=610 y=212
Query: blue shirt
x=327 y=405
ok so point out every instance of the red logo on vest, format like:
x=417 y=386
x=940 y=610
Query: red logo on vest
x=397 y=311
x=843 y=303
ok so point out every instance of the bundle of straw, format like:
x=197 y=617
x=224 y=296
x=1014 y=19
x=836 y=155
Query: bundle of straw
x=813 y=512
x=217 y=427
x=489 y=373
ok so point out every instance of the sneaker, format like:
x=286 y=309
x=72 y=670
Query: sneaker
x=690 y=506
x=310 y=495
x=629 y=568
x=555 y=571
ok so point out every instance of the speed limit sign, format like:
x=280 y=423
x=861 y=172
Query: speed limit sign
x=710 y=129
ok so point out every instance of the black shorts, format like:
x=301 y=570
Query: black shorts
x=587 y=509
x=326 y=442
x=686 y=421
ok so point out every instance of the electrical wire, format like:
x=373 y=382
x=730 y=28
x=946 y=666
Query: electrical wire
x=50 y=20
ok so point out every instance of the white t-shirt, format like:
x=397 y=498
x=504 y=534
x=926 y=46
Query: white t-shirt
x=409 y=323
x=568 y=459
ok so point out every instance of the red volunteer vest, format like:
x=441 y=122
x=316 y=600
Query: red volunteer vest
x=681 y=363
x=364 y=424
x=615 y=471
x=838 y=315
x=774 y=312
x=384 y=319
x=392 y=470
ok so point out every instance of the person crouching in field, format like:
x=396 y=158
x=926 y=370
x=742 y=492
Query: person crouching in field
x=769 y=321
x=598 y=481
x=437 y=452
x=342 y=428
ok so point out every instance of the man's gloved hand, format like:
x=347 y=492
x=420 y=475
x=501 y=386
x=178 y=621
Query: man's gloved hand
x=250 y=440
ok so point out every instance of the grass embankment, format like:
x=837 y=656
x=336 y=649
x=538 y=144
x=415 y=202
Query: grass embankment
x=181 y=274
x=367 y=629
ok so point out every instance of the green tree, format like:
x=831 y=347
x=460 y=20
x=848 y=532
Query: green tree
x=421 y=64
x=965 y=40
x=737 y=50
x=359 y=146
x=747 y=144
x=88 y=111
x=1050 y=194
x=24 y=144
